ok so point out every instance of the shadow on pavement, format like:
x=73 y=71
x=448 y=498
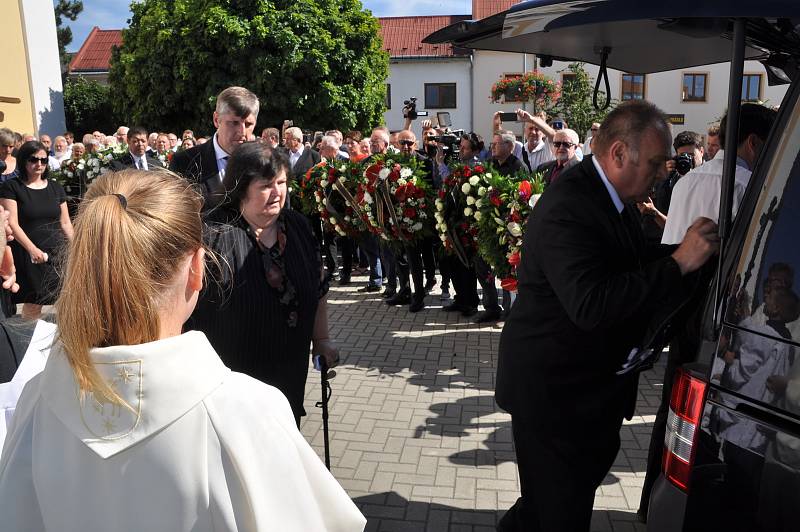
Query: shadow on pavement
x=390 y=512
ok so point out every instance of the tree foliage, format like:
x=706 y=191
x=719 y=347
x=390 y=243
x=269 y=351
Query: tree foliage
x=87 y=106
x=575 y=104
x=65 y=9
x=317 y=62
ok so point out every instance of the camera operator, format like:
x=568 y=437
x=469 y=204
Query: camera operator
x=463 y=276
x=689 y=154
x=697 y=194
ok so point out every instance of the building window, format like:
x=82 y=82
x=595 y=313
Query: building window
x=388 y=96
x=694 y=87
x=567 y=78
x=440 y=95
x=632 y=87
x=751 y=88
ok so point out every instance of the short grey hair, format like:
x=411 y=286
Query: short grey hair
x=508 y=138
x=6 y=136
x=295 y=132
x=238 y=101
x=571 y=134
x=329 y=140
x=383 y=133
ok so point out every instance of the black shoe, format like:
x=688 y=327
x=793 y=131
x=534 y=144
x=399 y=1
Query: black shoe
x=400 y=298
x=370 y=288
x=430 y=284
x=416 y=305
x=487 y=316
x=389 y=292
x=468 y=312
x=344 y=280
x=454 y=307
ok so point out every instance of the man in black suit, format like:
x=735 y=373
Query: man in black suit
x=137 y=156
x=588 y=288
x=301 y=159
x=565 y=141
x=235 y=118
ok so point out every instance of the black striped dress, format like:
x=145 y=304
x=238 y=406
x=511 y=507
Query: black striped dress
x=242 y=316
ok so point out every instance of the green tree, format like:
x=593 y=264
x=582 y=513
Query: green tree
x=87 y=106
x=317 y=62
x=65 y=9
x=575 y=104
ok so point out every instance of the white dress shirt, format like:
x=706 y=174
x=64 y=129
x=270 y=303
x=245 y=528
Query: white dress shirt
x=140 y=162
x=609 y=187
x=200 y=449
x=295 y=156
x=222 y=157
x=542 y=153
x=697 y=194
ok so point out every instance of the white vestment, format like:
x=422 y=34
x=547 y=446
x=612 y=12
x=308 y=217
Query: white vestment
x=201 y=448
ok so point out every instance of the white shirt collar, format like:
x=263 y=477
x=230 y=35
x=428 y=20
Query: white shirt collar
x=611 y=190
x=221 y=155
x=536 y=148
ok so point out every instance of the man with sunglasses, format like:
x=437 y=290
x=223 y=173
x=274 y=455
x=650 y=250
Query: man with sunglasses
x=415 y=255
x=565 y=141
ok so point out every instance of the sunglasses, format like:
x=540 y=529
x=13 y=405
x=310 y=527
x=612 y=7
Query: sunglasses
x=408 y=143
x=34 y=160
x=560 y=144
x=595 y=130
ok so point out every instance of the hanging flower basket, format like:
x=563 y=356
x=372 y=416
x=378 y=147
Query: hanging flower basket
x=532 y=86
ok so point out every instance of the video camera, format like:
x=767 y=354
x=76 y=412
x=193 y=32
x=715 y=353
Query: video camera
x=410 y=109
x=684 y=162
x=449 y=142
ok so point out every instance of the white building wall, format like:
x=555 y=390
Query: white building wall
x=45 y=66
x=407 y=78
x=663 y=89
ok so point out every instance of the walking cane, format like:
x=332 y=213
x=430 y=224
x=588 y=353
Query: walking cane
x=322 y=365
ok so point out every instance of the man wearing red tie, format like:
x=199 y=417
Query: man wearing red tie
x=564 y=143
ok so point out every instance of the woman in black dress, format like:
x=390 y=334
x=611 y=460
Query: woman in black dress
x=267 y=301
x=39 y=222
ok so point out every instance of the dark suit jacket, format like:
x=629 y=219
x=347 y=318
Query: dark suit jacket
x=587 y=290
x=307 y=160
x=548 y=168
x=126 y=161
x=199 y=165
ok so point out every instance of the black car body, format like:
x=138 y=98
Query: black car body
x=732 y=449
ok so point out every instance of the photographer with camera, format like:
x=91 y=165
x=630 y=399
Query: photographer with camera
x=689 y=154
x=697 y=194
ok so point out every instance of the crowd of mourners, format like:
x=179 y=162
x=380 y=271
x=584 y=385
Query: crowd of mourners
x=213 y=267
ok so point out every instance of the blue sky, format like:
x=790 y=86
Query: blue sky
x=113 y=14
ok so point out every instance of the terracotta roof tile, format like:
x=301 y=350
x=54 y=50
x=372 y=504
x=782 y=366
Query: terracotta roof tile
x=486 y=8
x=95 y=53
x=402 y=36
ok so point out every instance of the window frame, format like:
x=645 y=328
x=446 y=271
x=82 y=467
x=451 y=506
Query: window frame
x=760 y=76
x=440 y=84
x=622 y=86
x=388 y=96
x=684 y=98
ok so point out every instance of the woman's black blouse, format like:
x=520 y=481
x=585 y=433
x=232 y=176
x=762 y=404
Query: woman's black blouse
x=242 y=316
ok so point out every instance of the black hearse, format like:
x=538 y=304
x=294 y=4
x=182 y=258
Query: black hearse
x=732 y=449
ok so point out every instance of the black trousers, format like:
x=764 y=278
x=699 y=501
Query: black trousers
x=464 y=282
x=347 y=247
x=325 y=240
x=419 y=262
x=559 y=475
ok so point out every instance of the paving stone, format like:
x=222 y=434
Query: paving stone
x=416 y=437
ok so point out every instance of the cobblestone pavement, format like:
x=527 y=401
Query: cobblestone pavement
x=416 y=438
